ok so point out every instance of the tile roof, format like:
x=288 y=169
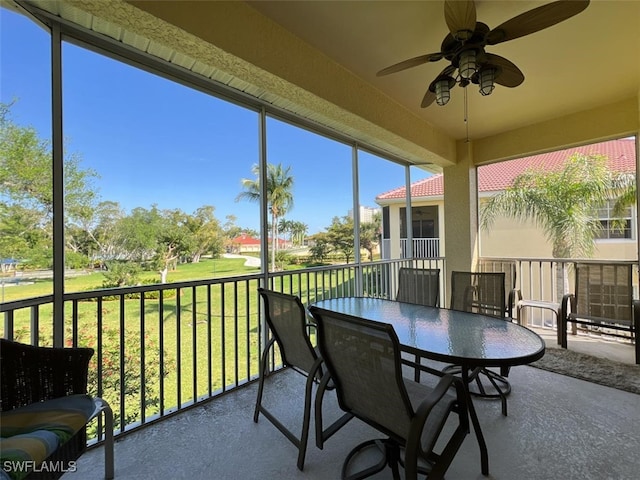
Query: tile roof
x=621 y=157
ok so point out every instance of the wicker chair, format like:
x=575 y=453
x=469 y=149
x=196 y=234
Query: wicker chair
x=286 y=318
x=364 y=360
x=603 y=302
x=37 y=376
x=484 y=293
x=419 y=285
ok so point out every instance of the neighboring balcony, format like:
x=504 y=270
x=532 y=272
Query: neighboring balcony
x=422 y=248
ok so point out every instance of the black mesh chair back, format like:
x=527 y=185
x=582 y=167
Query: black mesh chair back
x=604 y=291
x=364 y=360
x=286 y=317
x=419 y=285
x=483 y=293
x=509 y=268
x=603 y=302
x=479 y=292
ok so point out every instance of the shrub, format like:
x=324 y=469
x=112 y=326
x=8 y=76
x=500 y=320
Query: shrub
x=121 y=274
x=135 y=394
x=76 y=260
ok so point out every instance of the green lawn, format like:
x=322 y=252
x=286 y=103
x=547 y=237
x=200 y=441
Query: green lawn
x=207 y=268
x=185 y=323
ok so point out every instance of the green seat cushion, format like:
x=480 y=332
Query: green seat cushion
x=28 y=435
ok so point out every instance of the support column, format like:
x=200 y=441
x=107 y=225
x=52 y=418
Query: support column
x=637 y=182
x=460 y=214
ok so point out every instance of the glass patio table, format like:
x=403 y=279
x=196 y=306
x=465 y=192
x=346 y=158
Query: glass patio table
x=467 y=339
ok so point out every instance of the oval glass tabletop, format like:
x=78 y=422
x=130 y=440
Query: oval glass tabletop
x=447 y=335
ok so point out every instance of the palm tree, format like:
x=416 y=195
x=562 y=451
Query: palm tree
x=279 y=197
x=563 y=203
x=299 y=231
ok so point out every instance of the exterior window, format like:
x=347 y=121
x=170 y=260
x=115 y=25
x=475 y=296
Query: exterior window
x=609 y=228
x=424 y=222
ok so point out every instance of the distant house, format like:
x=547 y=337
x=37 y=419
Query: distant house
x=246 y=243
x=508 y=237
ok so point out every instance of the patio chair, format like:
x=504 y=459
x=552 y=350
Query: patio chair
x=484 y=293
x=364 y=360
x=508 y=267
x=419 y=285
x=286 y=318
x=603 y=302
x=45 y=411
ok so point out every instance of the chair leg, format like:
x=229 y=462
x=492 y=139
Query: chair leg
x=500 y=384
x=369 y=471
x=299 y=442
x=304 y=436
x=108 y=442
x=322 y=435
x=101 y=406
x=320 y=438
x=503 y=396
x=262 y=374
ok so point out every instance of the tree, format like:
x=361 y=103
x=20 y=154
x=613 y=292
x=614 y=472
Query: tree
x=563 y=203
x=206 y=234
x=320 y=247
x=285 y=227
x=279 y=197
x=20 y=238
x=26 y=185
x=370 y=234
x=299 y=232
x=340 y=236
x=155 y=237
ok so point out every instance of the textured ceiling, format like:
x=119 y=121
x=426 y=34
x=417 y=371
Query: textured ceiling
x=589 y=60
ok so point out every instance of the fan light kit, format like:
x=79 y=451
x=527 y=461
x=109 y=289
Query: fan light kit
x=464 y=48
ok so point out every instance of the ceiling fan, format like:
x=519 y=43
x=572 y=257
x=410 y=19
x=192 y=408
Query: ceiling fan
x=464 y=47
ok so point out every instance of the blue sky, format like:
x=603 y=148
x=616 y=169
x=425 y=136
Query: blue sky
x=153 y=141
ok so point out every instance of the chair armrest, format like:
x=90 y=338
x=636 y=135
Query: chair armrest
x=515 y=295
x=426 y=407
x=31 y=374
x=636 y=315
x=567 y=305
x=440 y=390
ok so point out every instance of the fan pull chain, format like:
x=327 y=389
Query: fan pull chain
x=466 y=115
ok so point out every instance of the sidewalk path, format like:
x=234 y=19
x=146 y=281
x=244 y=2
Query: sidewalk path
x=250 y=261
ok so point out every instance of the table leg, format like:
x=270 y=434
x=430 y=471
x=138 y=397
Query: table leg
x=484 y=454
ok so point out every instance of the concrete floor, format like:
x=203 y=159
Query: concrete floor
x=558 y=428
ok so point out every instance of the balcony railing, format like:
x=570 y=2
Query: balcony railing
x=160 y=349
x=164 y=348
x=422 y=248
x=549 y=280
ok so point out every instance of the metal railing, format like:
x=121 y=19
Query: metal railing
x=422 y=248
x=548 y=280
x=160 y=349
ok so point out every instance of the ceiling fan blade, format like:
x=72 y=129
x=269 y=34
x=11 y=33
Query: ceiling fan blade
x=460 y=16
x=412 y=62
x=536 y=20
x=428 y=99
x=508 y=74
